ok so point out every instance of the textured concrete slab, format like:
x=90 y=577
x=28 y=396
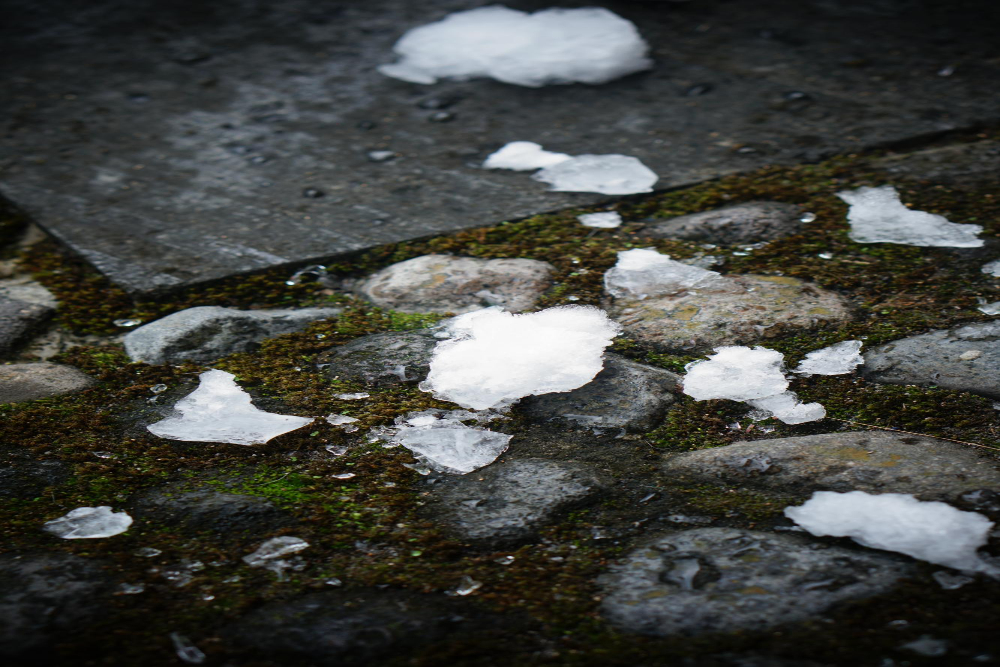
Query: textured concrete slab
x=175 y=143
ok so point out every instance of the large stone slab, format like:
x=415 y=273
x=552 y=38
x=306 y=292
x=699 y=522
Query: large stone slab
x=171 y=147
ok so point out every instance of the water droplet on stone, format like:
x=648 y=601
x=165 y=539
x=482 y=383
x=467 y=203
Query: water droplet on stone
x=258 y=159
x=104 y=455
x=947 y=70
x=793 y=95
x=344 y=475
x=131 y=589
x=333 y=581
x=441 y=117
x=504 y=560
x=320 y=336
x=147 y=552
x=465 y=587
x=127 y=323
x=312 y=193
x=825 y=255
x=336 y=450
x=158 y=388
x=380 y=156
x=808 y=216
x=698 y=89
x=572 y=297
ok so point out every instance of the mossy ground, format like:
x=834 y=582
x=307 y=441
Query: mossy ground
x=370 y=530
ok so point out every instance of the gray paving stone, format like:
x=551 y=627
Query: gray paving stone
x=749 y=222
x=382 y=359
x=178 y=150
x=18 y=319
x=27 y=382
x=971 y=164
x=25 y=479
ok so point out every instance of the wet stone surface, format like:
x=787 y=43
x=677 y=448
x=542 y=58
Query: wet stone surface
x=725 y=579
x=26 y=479
x=965 y=358
x=871 y=461
x=27 y=382
x=383 y=359
x=749 y=222
x=18 y=319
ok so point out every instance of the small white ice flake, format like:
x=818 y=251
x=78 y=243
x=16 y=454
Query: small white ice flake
x=495 y=358
x=274 y=549
x=837 y=359
x=220 y=411
x=931 y=531
x=554 y=46
x=605 y=174
x=878 y=216
x=444 y=443
x=992 y=268
x=607 y=220
x=357 y=396
x=990 y=308
x=89 y=523
x=523 y=156
x=643 y=272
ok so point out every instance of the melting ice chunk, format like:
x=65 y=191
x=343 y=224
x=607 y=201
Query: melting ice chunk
x=273 y=549
x=992 y=268
x=931 y=531
x=89 y=522
x=523 y=156
x=219 y=411
x=554 y=46
x=789 y=409
x=878 y=216
x=607 y=220
x=605 y=174
x=444 y=443
x=643 y=272
x=990 y=308
x=837 y=359
x=495 y=358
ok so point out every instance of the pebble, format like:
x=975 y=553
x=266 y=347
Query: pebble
x=750 y=310
x=727 y=579
x=382 y=359
x=965 y=358
x=207 y=333
x=749 y=222
x=870 y=461
x=625 y=395
x=18 y=320
x=27 y=382
x=447 y=284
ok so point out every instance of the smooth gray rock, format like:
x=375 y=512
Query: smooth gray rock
x=18 y=320
x=749 y=222
x=965 y=358
x=965 y=165
x=25 y=479
x=383 y=359
x=342 y=627
x=727 y=580
x=625 y=394
x=508 y=501
x=207 y=333
x=447 y=284
x=747 y=311
x=27 y=382
x=871 y=461
x=186 y=144
x=44 y=597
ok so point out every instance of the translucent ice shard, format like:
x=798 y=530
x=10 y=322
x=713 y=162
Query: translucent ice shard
x=554 y=46
x=642 y=272
x=523 y=156
x=931 y=531
x=274 y=549
x=990 y=308
x=992 y=268
x=605 y=174
x=219 y=411
x=89 y=522
x=495 y=358
x=878 y=216
x=837 y=359
x=606 y=220
x=789 y=409
x=444 y=443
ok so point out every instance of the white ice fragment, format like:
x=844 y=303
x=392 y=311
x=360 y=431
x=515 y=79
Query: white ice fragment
x=340 y=420
x=931 y=531
x=466 y=586
x=990 y=308
x=737 y=373
x=605 y=174
x=789 y=409
x=554 y=46
x=642 y=272
x=838 y=359
x=606 y=220
x=444 y=443
x=878 y=216
x=219 y=411
x=186 y=651
x=273 y=549
x=495 y=358
x=352 y=397
x=523 y=156
x=89 y=522
x=992 y=268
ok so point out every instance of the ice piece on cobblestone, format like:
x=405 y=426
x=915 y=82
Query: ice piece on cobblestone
x=343 y=420
x=495 y=358
x=642 y=272
x=220 y=411
x=837 y=359
x=878 y=216
x=356 y=396
x=990 y=308
x=737 y=373
x=523 y=156
x=992 y=268
x=931 y=531
x=273 y=549
x=89 y=522
x=605 y=220
x=788 y=408
x=554 y=46
x=611 y=174
x=444 y=443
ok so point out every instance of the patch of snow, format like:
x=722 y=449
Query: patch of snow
x=523 y=156
x=89 y=523
x=990 y=308
x=494 y=358
x=607 y=220
x=992 y=268
x=878 y=216
x=553 y=46
x=220 y=411
x=931 y=531
x=611 y=174
x=442 y=442
x=837 y=359
x=642 y=272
